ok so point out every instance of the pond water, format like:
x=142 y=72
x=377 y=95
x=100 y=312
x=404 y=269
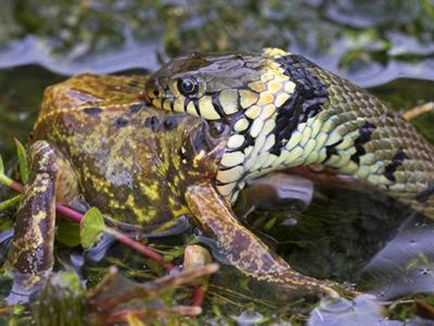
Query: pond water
x=362 y=239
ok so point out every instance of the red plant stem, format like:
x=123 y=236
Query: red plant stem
x=148 y=252
x=198 y=296
x=69 y=213
x=18 y=187
x=78 y=217
x=198 y=293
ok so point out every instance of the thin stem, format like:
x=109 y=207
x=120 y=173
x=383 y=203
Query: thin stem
x=198 y=293
x=4 y=179
x=147 y=251
x=198 y=296
x=78 y=217
x=69 y=213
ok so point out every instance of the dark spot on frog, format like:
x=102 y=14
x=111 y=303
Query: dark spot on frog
x=423 y=196
x=240 y=243
x=397 y=160
x=134 y=108
x=170 y=123
x=121 y=122
x=152 y=123
x=93 y=110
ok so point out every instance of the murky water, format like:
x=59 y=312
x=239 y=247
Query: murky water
x=371 y=242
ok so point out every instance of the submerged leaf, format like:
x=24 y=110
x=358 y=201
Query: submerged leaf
x=91 y=227
x=68 y=232
x=10 y=202
x=22 y=161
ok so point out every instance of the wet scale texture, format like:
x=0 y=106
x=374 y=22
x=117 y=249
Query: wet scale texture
x=141 y=167
x=284 y=111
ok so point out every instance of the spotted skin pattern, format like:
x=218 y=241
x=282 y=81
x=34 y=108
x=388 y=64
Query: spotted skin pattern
x=284 y=111
x=96 y=144
x=244 y=250
x=31 y=251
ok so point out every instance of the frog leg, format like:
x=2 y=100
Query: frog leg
x=31 y=253
x=242 y=248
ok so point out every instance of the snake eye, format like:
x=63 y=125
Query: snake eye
x=187 y=86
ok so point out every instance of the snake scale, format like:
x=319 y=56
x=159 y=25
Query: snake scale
x=284 y=111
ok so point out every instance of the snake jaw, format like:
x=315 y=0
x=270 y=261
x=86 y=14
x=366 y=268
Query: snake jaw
x=284 y=111
x=243 y=91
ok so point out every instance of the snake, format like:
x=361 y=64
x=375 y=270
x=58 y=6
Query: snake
x=284 y=111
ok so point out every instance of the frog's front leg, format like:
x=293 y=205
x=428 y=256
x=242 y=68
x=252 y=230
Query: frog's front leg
x=31 y=254
x=242 y=248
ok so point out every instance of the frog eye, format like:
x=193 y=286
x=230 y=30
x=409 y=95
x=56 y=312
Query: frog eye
x=187 y=86
x=216 y=128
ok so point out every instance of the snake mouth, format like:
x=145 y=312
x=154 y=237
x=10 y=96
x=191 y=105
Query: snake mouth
x=154 y=93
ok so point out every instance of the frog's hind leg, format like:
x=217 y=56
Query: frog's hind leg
x=243 y=249
x=31 y=254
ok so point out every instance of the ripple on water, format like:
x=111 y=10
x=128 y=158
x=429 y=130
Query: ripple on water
x=406 y=263
x=363 y=310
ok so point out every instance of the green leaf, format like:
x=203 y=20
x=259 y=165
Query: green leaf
x=22 y=161
x=10 y=202
x=68 y=232
x=91 y=227
x=2 y=166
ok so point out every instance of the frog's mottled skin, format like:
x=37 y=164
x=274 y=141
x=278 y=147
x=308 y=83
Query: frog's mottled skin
x=95 y=144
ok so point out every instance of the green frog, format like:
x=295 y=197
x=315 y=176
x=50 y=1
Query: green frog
x=96 y=144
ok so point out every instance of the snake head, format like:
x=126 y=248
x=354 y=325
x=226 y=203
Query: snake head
x=203 y=85
x=242 y=91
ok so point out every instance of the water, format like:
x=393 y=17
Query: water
x=388 y=48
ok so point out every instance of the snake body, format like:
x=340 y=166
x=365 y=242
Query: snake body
x=284 y=111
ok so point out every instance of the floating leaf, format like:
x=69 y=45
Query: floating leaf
x=10 y=202
x=91 y=227
x=22 y=161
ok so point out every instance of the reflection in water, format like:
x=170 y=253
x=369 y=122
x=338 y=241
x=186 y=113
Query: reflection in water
x=362 y=238
x=369 y=44
x=405 y=265
x=363 y=310
x=344 y=235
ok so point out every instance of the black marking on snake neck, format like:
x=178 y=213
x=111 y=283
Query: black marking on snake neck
x=309 y=96
x=331 y=150
x=365 y=133
x=397 y=160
